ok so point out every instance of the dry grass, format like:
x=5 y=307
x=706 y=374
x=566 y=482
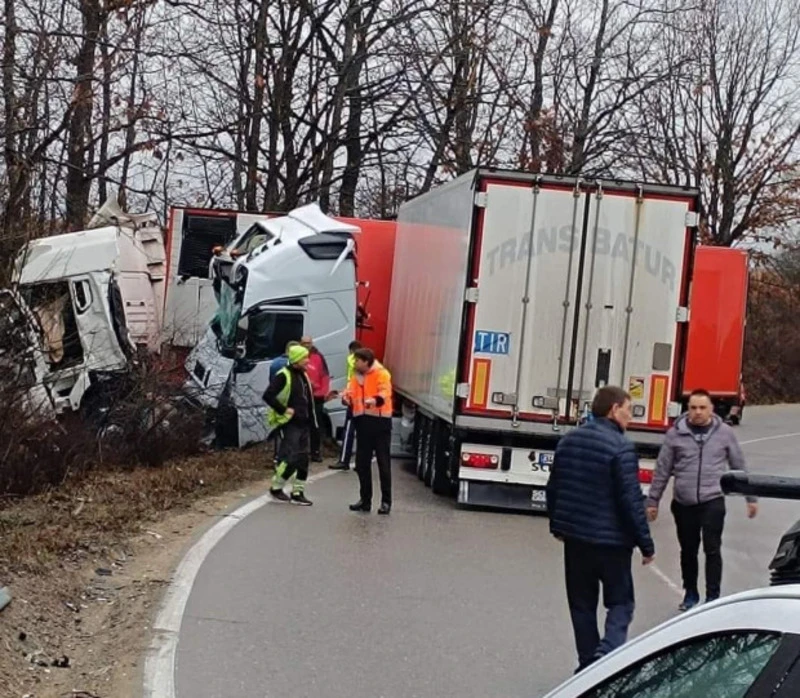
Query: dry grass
x=86 y=516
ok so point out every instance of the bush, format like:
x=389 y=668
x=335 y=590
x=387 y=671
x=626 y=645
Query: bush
x=136 y=418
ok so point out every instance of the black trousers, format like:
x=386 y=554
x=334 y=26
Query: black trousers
x=316 y=431
x=374 y=436
x=292 y=456
x=694 y=522
x=586 y=567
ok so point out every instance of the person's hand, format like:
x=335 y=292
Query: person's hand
x=370 y=402
x=331 y=395
x=652 y=514
x=346 y=400
x=752 y=510
x=646 y=560
x=289 y=412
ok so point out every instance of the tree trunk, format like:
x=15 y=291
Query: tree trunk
x=16 y=170
x=79 y=135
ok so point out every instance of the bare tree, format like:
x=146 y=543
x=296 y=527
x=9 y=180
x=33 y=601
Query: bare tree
x=727 y=121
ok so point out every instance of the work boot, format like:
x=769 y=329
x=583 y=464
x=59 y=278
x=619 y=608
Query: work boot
x=360 y=506
x=691 y=600
x=339 y=466
x=300 y=500
x=280 y=495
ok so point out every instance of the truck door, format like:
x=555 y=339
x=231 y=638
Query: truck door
x=629 y=304
x=527 y=263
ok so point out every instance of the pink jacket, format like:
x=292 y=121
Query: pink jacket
x=318 y=374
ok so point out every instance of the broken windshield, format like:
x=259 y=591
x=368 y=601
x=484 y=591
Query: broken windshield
x=226 y=321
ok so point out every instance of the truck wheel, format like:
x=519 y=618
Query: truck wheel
x=422 y=448
x=430 y=451
x=433 y=452
x=440 y=483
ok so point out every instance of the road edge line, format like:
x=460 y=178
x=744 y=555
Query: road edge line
x=159 y=664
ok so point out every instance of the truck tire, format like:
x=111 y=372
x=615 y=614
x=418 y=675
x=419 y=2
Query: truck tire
x=440 y=480
x=430 y=451
x=422 y=450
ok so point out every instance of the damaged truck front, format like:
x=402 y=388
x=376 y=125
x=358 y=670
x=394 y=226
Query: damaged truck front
x=84 y=303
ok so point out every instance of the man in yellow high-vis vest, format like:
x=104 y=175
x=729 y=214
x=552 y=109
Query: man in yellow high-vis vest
x=346 y=454
x=291 y=413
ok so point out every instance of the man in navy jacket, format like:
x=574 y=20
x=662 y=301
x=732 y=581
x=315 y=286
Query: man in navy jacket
x=595 y=506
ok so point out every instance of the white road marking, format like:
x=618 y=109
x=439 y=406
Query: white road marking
x=159 y=666
x=658 y=572
x=769 y=438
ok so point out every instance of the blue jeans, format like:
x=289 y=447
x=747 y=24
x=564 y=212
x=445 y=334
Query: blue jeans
x=587 y=566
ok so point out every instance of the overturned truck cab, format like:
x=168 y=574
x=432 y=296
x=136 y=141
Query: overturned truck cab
x=88 y=300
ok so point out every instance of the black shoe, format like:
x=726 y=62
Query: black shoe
x=360 y=506
x=690 y=600
x=316 y=458
x=385 y=509
x=300 y=499
x=339 y=466
x=280 y=495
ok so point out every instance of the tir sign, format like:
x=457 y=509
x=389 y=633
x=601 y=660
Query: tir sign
x=492 y=342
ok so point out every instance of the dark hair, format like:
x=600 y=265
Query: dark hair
x=365 y=354
x=355 y=344
x=606 y=398
x=700 y=392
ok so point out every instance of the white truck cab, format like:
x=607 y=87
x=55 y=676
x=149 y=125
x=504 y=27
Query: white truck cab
x=299 y=279
x=90 y=298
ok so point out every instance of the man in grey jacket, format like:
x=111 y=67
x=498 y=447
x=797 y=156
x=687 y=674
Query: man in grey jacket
x=697 y=450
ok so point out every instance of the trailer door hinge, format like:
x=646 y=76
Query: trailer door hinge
x=462 y=390
x=471 y=294
x=480 y=199
x=692 y=219
x=682 y=314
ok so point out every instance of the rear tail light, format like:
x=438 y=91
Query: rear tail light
x=479 y=460
x=645 y=476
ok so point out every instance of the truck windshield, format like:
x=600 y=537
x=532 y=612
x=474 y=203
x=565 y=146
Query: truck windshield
x=226 y=321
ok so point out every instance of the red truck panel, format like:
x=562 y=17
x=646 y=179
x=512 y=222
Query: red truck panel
x=717 y=307
x=375 y=255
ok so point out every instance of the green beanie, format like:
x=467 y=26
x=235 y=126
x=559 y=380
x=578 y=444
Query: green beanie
x=297 y=353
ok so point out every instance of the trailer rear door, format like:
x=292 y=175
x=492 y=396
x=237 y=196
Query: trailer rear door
x=577 y=287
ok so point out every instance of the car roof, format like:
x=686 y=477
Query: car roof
x=767 y=609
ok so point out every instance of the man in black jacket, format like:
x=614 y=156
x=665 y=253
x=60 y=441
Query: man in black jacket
x=291 y=415
x=595 y=506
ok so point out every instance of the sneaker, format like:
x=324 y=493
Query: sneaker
x=339 y=466
x=385 y=509
x=300 y=500
x=711 y=599
x=689 y=601
x=280 y=495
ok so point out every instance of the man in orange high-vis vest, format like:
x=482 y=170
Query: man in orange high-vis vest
x=369 y=395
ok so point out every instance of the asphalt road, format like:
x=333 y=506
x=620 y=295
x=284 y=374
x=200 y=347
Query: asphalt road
x=432 y=601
